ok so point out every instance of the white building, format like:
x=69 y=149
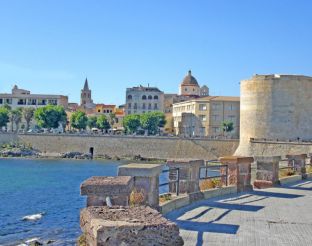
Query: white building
x=23 y=98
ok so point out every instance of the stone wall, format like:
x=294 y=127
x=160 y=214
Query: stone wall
x=151 y=147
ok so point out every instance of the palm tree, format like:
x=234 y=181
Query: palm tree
x=16 y=117
x=28 y=114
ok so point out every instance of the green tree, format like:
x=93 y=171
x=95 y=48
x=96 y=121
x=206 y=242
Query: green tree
x=28 y=114
x=131 y=123
x=112 y=119
x=92 y=122
x=227 y=126
x=161 y=118
x=150 y=121
x=16 y=118
x=79 y=120
x=50 y=116
x=102 y=123
x=4 y=117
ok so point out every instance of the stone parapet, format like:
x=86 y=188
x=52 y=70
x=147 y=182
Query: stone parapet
x=98 y=188
x=130 y=226
x=146 y=180
x=188 y=175
x=267 y=170
x=239 y=171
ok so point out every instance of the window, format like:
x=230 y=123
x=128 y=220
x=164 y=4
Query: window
x=143 y=106
x=8 y=100
x=155 y=106
x=231 y=118
x=21 y=102
x=150 y=97
x=215 y=117
x=185 y=89
x=129 y=105
x=215 y=129
x=202 y=107
x=231 y=107
x=135 y=106
x=143 y=97
x=149 y=106
x=202 y=117
x=156 y=97
x=129 y=112
x=42 y=102
x=1 y=101
x=99 y=110
x=52 y=101
x=32 y=101
x=215 y=106
x=129 y=97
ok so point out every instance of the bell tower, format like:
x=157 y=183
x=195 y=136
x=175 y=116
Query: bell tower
x=85 y=96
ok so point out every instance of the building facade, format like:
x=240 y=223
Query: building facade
x=142 y=99
x=23 y=98
x=204 y=116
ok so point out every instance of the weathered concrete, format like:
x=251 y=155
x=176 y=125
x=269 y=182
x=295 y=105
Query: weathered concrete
x=239 y=171
x=298 y=162
x=98 y=188
x=188 y=175
x=132 y=226
x=146 y=179
x=151 y=147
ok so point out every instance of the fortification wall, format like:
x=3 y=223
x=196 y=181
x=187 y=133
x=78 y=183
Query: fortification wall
x=259 y=148
x=275 y=107
x=152 y=147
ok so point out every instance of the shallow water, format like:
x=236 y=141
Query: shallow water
x=52 y=187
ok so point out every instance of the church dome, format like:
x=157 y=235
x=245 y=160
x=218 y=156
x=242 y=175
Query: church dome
x=189 y=79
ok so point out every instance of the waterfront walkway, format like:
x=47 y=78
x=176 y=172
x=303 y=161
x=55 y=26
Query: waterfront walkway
x=275 y=216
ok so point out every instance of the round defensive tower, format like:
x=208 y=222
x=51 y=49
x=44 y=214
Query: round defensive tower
x=275 y=107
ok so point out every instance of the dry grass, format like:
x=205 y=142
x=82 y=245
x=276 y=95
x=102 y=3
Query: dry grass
x=164 y=198
x=286 y=172
x=210 y=184
x=308 y=169
x=137 y=197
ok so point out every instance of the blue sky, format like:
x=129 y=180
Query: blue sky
x=51 y=46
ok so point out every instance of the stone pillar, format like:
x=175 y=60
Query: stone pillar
x=98 y=188
x=188 y=175
x=298 y=161
x=267 y=171
x=239 y=171
x=146 y=179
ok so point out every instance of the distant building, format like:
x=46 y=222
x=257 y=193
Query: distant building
x=105 y=109
x=23 y=98
x=190 y=87
x=86 y=102
x=142 y=99
x=204 y=116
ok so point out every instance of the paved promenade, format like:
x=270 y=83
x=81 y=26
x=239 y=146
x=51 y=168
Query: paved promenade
x=275 y=216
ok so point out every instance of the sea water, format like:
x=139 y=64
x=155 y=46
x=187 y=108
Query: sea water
x=41 y=198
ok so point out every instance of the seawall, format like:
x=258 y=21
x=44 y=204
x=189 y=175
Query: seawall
x=150 y=147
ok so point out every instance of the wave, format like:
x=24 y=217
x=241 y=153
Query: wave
x=33 y=217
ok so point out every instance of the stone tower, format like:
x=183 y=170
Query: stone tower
x=274 y=107
x=85 y=96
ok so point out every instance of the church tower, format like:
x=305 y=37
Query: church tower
x=85 y=96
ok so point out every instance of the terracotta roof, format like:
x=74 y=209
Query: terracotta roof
x=189 y=79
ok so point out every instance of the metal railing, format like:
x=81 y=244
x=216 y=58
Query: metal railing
x=208 y=168
x=292 y=167
x=176 y=180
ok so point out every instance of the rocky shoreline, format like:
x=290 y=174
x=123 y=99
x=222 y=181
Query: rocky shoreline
x=22 y=151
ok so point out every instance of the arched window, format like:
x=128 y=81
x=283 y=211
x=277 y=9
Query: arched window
x=156 y=97
x=143 y=97
x=149 y=106
x=129 y=97
x=150 y=97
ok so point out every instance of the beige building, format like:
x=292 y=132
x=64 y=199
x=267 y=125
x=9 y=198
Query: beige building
x=23 y=98
x=204 y=116
x=143 y=99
